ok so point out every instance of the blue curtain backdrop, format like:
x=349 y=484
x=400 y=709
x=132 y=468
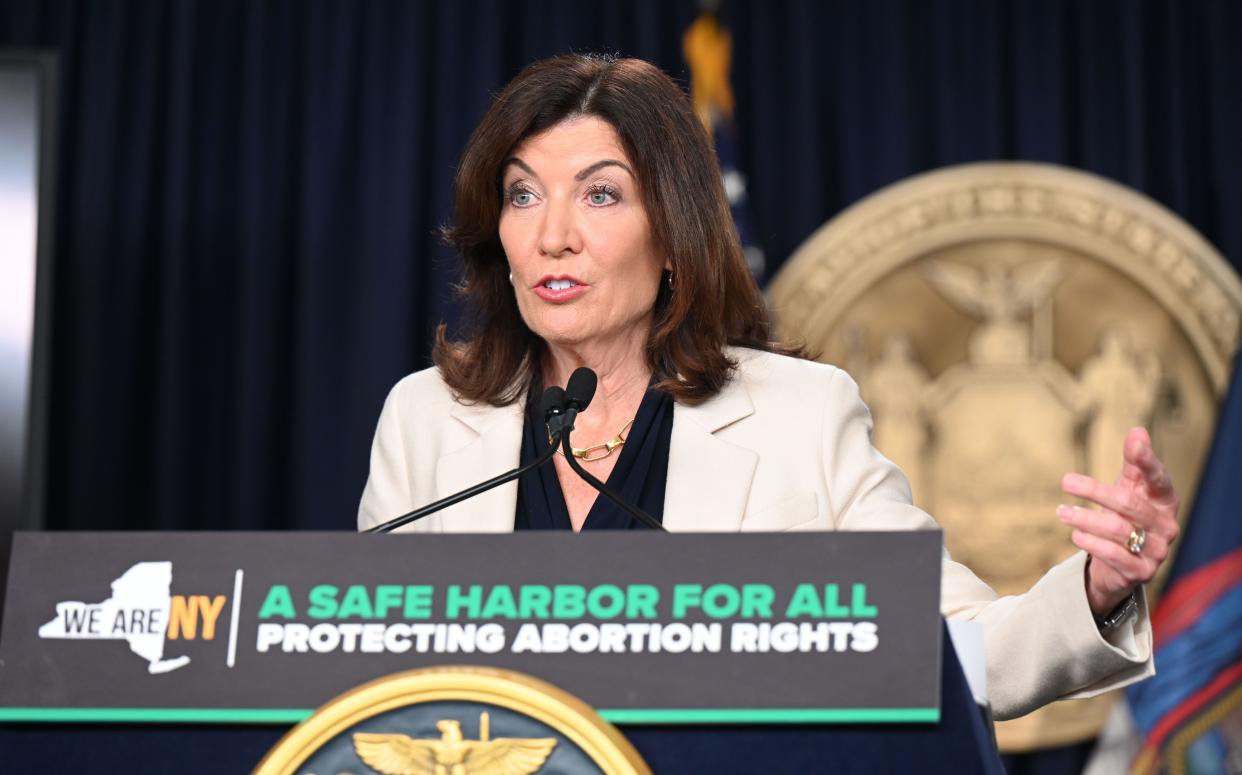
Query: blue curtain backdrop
x=249 y=192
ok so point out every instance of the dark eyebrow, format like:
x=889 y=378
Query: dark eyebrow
x=518 y=163
x=599 y=165
x=581 y=176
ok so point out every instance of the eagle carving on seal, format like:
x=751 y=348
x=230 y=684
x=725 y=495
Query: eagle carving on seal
x=453 y=754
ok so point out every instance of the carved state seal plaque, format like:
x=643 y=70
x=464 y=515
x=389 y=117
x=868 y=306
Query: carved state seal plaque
x=1007 y=323
x=458 y=720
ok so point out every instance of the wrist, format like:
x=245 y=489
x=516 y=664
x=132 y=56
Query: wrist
x=1103 y=602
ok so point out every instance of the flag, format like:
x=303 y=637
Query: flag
x=1190 y=713
x=708 y=49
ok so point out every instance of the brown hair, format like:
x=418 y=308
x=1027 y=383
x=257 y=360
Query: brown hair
x=714 y=301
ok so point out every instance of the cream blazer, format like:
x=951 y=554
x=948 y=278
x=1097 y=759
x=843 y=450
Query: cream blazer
x=786 y=445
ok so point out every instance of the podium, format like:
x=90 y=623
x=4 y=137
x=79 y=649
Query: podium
x=763 y=653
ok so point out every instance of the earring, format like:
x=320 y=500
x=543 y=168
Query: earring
x=669 y=281
x=511 y=278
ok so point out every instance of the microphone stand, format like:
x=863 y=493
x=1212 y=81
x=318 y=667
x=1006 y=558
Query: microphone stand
x=552 y=410
x=633 y=511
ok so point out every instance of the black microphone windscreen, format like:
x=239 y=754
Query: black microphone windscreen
x=553 y=402
x=581 y=388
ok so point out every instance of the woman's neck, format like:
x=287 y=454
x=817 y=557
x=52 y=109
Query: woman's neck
x=623 y=378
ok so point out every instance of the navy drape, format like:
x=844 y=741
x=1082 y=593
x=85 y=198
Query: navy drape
x=249 y=192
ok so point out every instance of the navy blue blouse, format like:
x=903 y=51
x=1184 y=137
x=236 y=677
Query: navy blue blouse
x=639 y=475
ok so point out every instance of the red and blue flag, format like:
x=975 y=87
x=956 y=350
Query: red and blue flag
x=1190 y=713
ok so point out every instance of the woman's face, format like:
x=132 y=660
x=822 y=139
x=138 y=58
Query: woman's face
x=572 y=223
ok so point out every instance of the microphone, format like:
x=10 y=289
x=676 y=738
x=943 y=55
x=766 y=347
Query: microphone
x=552 y=404
x=552 y=407
x=578 y=394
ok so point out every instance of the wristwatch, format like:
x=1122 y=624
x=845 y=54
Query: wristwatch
x=1119 y=614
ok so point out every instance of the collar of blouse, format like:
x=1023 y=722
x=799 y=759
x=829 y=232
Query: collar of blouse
x=708 y=478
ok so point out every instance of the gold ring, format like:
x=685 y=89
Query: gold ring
x=1138 y=537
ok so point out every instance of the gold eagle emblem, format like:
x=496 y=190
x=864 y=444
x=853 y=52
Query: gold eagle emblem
x=452 y=754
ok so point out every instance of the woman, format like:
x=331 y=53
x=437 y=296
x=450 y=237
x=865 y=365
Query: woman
x=595 y=232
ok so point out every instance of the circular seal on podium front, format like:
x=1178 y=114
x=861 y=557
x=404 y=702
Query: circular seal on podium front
x=454 y=721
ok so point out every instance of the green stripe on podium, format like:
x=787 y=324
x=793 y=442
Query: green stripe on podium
x=616 y=716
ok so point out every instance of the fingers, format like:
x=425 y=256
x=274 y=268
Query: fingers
x=1131 y=473
x=1132 y=569
x=1140 y=455
x=1143 y=498
x=1113 y=528
x=1123 y=500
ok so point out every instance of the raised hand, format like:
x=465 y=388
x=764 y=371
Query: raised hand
x=1129 y=536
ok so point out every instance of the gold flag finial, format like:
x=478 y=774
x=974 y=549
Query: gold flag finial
x=708 y=49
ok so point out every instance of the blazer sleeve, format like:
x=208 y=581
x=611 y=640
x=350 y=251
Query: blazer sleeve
x=1042 y=645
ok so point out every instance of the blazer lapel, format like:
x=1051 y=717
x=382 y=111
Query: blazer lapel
x=708 y=478
x=495 y=449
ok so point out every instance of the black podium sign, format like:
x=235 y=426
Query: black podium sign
x=648 y=628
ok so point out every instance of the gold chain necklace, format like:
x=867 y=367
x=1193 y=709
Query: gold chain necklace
x=602 y=450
